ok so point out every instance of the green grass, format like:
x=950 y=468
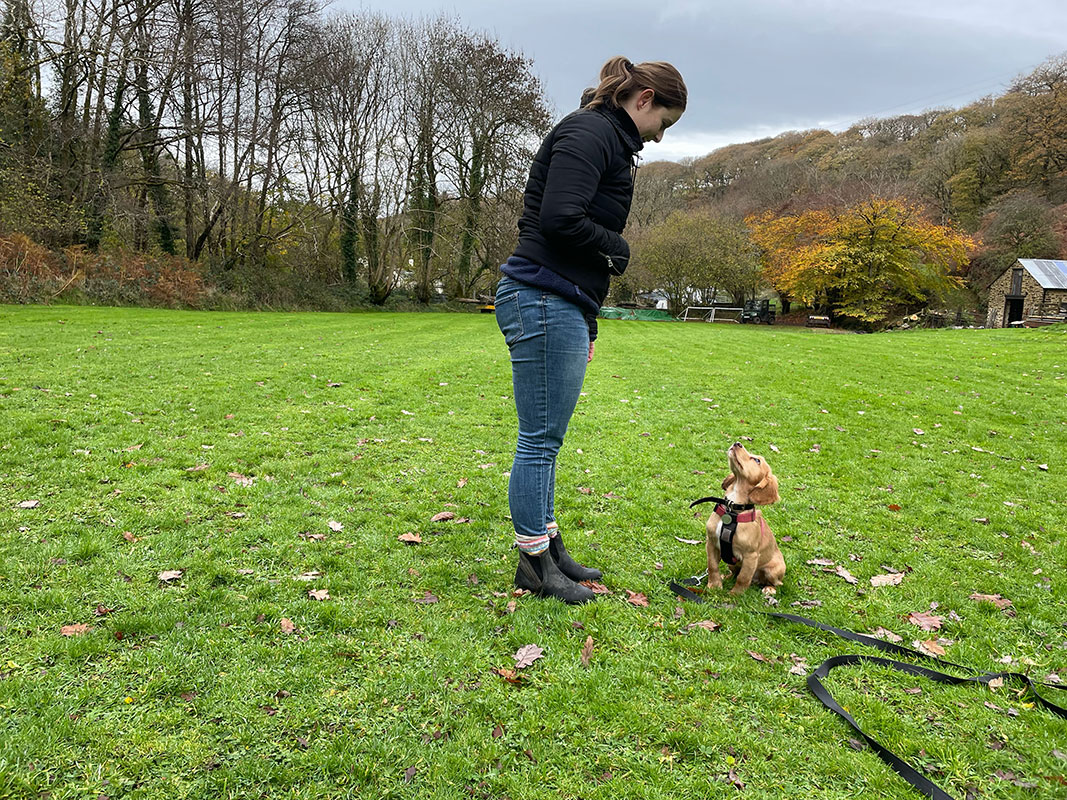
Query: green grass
x=192 y=689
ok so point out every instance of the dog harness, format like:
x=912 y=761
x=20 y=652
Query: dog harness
x=730 y=513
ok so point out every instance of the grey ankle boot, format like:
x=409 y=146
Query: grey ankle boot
x=540 y=575
x=567 y=565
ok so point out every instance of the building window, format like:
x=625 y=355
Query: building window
x=1016 y=281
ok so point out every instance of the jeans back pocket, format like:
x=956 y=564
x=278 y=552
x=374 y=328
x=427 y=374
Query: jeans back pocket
x=509 y=318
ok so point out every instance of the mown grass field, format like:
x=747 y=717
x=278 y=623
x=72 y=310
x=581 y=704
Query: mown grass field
x=266 y=456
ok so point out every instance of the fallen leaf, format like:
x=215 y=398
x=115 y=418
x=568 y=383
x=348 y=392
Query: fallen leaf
x=585 y=490
x=129 y=537
x=287 y=625
x=757 y=656
x=461 y=483
x=309 y=576
x=930 y=647
x=598 y=588
x=132 y=448
x=526 y=655
x=409 y=773
x=918 y=431
x=510 y=607
x=409 y=538
x=887 y=580
x=319 y=594
x=706 y=624
x=928 y=622
x=587 y=651
x=335 y=526
x=29 y=504
x=427 y=599
x=103 y=611
x=889 y=636
x=241 y=480
x=1043 y=467
x=996 y=683
x=510 y=675
x=773 y=448
x=444 y=516
x=995 y=599
x=848 y=576
x=170 y=575
x=498 y=732
x=637 y=599
x=732 y=778
x=913 y=690
x=821 y=562
x=197 y=468
x=76 y=629
x=893 y=507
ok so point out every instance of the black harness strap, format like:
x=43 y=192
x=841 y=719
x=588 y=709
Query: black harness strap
x=917 y=780
x=730 y=505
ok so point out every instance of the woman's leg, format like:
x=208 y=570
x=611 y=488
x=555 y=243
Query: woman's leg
x=549 y=343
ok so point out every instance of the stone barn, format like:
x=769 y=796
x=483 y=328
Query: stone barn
x=1032 y=290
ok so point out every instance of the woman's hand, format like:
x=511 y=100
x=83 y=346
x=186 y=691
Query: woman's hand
x=592 y=347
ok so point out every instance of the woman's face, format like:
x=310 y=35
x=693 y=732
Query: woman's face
x=651 y=119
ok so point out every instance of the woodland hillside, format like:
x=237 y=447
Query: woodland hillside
x=268 y=153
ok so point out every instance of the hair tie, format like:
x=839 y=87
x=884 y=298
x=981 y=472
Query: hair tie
x=629 y=65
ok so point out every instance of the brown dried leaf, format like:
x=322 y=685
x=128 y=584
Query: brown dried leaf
x=241 y=480
x=893 y=507
x=821 y=562
x=930 y=647
x=427 y=599
x=637 y=599
x=928 y=622
x=996 y=683
x=587 y=651
x=461 y=483
x=409 y=538
x=887 y=580
x=170 y=575
x=444 y=516
x=319 y=594
x=848 y=576
x=335 y=526
x=409 y=773
x=689 y=541
x=758 y=657
x=598 y=588
x=29 y=504
x=510 y=675
x=526 y=655
x=706 y=624
x=132 y=448
x=995 y=599
x=287 y=625
x=197 y=468
x=77 y=629
x=889 y=636
x=510 y=607
x=129 y=537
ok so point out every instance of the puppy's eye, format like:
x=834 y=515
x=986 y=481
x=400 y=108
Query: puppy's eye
x=756 y=460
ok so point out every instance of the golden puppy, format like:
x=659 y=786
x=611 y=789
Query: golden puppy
x=737 y=532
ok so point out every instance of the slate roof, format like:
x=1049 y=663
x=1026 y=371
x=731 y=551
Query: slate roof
x=1050 y=274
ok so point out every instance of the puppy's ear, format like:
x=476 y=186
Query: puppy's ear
x=765 y=492
x=728 y=481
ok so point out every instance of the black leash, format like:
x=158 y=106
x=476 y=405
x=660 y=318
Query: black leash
x=917 y=780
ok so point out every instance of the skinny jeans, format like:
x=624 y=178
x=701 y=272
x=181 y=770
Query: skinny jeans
x=548 y=338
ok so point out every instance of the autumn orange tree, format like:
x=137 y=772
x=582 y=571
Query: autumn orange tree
x=861 y=262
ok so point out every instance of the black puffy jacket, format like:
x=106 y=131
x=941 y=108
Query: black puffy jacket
x=577 y=200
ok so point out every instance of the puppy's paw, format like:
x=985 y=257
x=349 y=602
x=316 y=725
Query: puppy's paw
x=715 y=583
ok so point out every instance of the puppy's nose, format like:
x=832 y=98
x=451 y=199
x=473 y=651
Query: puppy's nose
x=737 y=444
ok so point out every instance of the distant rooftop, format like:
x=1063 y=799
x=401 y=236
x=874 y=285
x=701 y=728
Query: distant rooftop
x=1050 y=274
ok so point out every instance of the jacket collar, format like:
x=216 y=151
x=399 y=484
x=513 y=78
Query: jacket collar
x=624 y=124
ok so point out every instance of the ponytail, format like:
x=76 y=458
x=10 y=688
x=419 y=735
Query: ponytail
x=620 y=79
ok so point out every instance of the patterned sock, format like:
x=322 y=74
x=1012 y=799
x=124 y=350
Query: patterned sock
x=553 y=530
x=532 y=545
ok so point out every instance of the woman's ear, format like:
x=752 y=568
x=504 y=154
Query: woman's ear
x=728 y=481
x=765 y=492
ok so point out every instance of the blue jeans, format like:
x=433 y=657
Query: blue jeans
x=549 y=342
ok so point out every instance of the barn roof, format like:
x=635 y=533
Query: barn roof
x=1050 y=274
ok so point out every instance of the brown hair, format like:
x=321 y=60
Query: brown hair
x=620 y=79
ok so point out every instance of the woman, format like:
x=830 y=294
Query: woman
x=575 y=207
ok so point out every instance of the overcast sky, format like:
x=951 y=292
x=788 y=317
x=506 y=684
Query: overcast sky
x=756 y=68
